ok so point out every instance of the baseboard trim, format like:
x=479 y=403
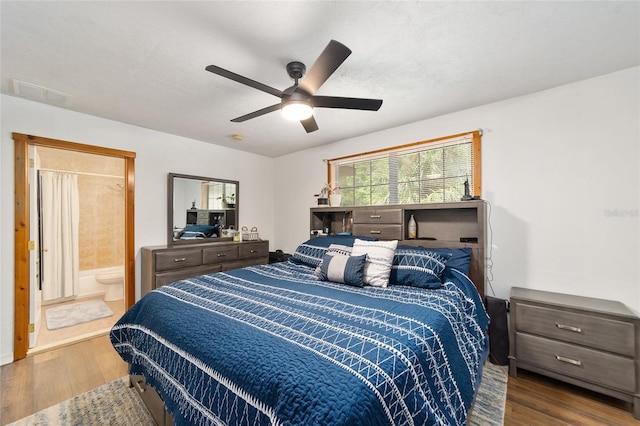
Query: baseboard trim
x=6 y=358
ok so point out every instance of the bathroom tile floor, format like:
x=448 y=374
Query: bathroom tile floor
x=48 y=339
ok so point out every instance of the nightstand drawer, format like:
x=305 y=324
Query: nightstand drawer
x=178 y=259
x=380 y=231
x=576 y=361
x=593 y=331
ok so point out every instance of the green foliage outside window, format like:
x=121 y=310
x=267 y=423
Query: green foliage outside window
x=433 y=174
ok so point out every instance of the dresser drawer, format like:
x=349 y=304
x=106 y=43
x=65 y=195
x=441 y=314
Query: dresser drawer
x=596 y=332
x=244 y=263
x=177 y=259
x=152 y=400
x=576 y=361
x=219 y=254
x=164 y=265
x=377 y=216
x=380 y=231
x=165 y=278
x=251 y=250
x=154 y=403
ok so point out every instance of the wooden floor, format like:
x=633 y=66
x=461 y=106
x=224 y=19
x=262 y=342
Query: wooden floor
x=47 y=378
x=535 y=400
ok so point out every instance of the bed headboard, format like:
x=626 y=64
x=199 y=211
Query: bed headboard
x=452 y=225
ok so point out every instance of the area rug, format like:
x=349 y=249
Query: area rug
x=117 y=404
x=114 y=404
x=76 y=313
x=488 y=408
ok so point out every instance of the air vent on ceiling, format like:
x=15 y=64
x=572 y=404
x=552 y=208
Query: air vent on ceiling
x=39 y=93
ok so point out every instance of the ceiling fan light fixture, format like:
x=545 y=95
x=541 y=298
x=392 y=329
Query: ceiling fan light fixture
x=299 y=101
x=297 y=110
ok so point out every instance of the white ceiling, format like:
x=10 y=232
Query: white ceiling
x=143 y=63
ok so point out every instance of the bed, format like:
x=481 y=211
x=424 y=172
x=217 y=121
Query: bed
x=315 y=340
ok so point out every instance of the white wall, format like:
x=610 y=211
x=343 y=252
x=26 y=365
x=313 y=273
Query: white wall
x=156 y=155
x=561 y=170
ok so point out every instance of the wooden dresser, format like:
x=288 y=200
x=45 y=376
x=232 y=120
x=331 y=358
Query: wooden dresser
x=584 y=341
x=165 y=264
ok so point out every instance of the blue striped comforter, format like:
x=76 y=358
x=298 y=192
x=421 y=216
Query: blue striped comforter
x=274 y=345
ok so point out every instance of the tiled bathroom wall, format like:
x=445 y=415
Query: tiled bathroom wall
x=101 y=190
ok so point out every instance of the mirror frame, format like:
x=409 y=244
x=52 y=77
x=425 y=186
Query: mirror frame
x=170 y=198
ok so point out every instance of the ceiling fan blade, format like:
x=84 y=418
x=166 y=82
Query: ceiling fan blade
x=329 y=60
x=257 y=113
x=310 y=124
x=346 y=103
x=244 y=80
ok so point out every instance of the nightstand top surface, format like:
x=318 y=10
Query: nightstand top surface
x=572 y=301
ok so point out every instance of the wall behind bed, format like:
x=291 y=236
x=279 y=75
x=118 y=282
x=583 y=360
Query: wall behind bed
x=157 y=154
x=561 y=169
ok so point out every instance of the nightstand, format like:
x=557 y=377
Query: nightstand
x=584 y=341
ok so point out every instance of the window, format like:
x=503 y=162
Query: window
x=217 y=195
x=432 y=171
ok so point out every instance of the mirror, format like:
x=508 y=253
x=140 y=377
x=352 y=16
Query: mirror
x=201 y=209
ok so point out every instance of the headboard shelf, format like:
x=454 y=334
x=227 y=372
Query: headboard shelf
x=453 y=225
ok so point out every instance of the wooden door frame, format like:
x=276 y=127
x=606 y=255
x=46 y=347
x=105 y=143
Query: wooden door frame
x=22 y=142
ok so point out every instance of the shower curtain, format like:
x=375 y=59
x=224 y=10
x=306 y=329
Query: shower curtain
x=60 y=217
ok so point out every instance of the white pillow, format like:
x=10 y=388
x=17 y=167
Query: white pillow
x=379 y=260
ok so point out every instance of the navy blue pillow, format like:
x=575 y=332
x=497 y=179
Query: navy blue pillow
x=418 y=267
x=460 y=257
x=312 y=251
x=206 y=230
x=344 y=269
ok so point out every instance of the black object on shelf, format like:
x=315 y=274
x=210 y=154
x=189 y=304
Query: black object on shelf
x=467 y=196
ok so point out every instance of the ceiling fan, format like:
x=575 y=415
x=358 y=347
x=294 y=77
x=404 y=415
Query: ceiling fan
x=297 y=102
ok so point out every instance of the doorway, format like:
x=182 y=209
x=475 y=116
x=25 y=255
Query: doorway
x=24 y=244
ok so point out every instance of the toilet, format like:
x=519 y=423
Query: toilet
x=113 y=280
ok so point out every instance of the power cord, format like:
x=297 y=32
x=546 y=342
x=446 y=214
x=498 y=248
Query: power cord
x=489 y=258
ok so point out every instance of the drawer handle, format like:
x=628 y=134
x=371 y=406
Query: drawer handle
x=569 y=328
x=568 y=360
x=375 y=216
x=254 y=251
x=137 y=385
x=182 y=259
x=221 y=255
x=376 y=232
